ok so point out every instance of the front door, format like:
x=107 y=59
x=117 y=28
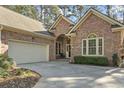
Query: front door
x=68 y=50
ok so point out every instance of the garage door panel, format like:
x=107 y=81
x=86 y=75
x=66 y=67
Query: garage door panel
x=25 y=52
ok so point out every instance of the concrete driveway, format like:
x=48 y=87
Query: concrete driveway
x=65 y=75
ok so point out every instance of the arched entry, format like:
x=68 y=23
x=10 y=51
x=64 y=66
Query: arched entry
x=63 y=47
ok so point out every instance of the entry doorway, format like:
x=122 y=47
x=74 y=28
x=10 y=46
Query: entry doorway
x=63 y=47
x=68 y=50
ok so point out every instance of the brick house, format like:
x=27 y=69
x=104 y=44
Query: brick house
x=95 y=34
x=26 y=40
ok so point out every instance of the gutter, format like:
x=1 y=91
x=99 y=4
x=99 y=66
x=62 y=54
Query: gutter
x=117 y=29
x=8 y=28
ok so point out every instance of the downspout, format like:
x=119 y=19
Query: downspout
x=1 y=28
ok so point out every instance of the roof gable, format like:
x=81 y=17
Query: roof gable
x=60 y=17
x=97 y=13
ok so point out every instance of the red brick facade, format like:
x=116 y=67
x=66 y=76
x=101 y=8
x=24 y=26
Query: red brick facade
x=61 y=28
x=101 y=28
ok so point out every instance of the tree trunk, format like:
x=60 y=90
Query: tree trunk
x=123 y=17
x=41 y=15
x=109 y=7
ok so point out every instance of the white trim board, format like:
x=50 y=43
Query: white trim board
x=29 y=42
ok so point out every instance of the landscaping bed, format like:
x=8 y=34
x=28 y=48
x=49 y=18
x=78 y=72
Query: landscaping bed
x=20 y=78
x=12 y=76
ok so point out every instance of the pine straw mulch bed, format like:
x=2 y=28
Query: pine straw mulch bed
x=20 y=78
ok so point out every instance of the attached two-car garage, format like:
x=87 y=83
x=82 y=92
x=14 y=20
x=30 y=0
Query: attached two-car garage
x=25 y=52
x=23 y=39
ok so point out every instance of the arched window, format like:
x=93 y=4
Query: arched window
x=92 y=35
x=93 y=45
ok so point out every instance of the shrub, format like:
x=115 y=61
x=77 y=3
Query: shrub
x=6 y=66
x=115 y=59
x=19 y=72
x=6 y=62
x=93 y=60
x=3 y=73
x=23 y=72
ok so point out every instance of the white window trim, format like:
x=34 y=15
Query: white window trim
x=87 y=47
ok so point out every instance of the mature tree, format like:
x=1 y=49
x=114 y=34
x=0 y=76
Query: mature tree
x=112 y=11
x=64 y=9
x=80 y=9
x=109 y=8
x=119 y=9
x=72 y=11
x=28 y=10
x=48 y=14
x=122 y=11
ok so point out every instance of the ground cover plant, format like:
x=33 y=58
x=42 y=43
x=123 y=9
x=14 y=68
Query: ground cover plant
x=15 y=77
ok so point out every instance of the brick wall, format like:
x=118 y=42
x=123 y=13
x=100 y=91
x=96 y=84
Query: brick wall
x=62 y=28
x=101 y=28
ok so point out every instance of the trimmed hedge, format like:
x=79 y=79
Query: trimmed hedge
x=93 y=60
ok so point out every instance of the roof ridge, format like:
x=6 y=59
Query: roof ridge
x=94 y=10
x=107 y=16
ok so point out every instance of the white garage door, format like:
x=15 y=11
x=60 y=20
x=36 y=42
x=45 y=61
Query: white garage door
x=27 y=52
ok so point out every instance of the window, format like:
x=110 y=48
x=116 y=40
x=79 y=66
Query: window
x=92 y=35
x=84 y=47
x=100 y=47
x=93 y=46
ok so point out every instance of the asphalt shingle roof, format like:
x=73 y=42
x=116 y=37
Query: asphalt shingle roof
x=16 y=20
